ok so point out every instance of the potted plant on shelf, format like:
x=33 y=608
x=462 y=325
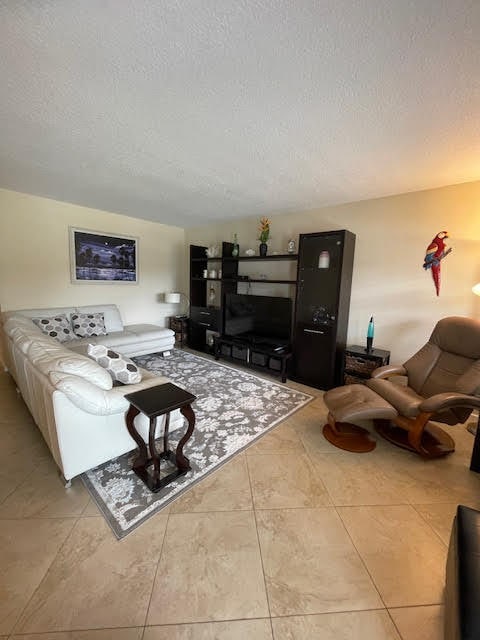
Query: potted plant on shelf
x=264 y=229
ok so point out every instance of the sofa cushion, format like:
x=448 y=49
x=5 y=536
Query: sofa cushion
x=146 y=332
x=23 y=332
x=97 y=401
x=88 y=396
x=54 y=357
x=111 y=314
x=120 y=368
x=88 y=324
x=34 y=313
x=57 y=326
x=17 y=323
x=115 y=339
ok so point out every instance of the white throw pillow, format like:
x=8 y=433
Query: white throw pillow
x=57 y=327
x=86 y=325
x=121 y=369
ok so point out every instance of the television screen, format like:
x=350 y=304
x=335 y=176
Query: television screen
x=258 y=317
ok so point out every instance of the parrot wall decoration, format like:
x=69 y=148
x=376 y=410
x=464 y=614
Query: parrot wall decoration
x=436 y=252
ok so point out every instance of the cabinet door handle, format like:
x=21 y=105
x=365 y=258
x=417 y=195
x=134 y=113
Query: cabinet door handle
x=205 y=324
x=314 y=331
x=204 y=313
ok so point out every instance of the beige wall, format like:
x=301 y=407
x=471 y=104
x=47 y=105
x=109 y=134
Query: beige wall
x=391 y=237
x=389 y=282
x=35 y=266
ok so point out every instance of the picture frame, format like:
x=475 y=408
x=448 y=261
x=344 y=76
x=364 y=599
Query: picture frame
x=102 y=258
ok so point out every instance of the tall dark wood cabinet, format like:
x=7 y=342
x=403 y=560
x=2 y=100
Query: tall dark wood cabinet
x=325 y=266
x=205 y=318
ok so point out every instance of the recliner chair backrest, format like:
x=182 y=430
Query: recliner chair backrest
x=450 y=361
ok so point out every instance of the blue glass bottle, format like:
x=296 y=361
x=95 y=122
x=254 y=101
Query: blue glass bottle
x=370 y=334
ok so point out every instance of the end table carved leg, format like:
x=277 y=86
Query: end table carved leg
x=153 y=452
x=141 y=459
x=165 y=433
x=182 y=462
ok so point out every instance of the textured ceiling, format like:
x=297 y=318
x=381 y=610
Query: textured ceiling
x=192 y=111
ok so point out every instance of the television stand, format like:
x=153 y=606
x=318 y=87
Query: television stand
x=263 y=356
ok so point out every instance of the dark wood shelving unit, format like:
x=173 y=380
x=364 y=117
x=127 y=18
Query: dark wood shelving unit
x=322 y=307
x=321 y=303
x=202 y=317
x=272 y=258
x=245 y=281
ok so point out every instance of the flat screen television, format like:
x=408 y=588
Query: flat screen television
x=258 y=318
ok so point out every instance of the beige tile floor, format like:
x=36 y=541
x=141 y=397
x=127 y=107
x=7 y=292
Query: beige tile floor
x=292 y=539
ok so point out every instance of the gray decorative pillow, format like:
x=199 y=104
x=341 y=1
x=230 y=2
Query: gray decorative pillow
x=86 y=325
x=121 y=369
x=57 y=327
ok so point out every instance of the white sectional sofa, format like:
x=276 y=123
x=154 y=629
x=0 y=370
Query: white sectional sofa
x=72 y=398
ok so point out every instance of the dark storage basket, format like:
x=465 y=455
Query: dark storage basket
x=275 y=364
x=356 y=364
x=239 y=352
x=226 y=350
x=259 y=358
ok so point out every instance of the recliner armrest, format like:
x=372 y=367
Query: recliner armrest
x=442 y=401
x=389 y=370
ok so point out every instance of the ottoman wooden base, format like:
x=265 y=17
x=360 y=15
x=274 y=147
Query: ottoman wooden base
x=349 y=437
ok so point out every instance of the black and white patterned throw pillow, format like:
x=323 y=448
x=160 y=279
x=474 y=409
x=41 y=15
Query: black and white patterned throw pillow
x=121 y=369
x=86 y=325
x=57 y=327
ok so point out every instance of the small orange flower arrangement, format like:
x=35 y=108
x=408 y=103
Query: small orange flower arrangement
x=264 y=229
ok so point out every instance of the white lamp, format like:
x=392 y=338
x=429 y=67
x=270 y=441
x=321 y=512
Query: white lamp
x=476 y=289
x=175 y=297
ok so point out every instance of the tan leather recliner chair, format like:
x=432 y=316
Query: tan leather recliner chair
x=441 y=382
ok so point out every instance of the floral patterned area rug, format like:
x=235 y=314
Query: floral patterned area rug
x=233 y=409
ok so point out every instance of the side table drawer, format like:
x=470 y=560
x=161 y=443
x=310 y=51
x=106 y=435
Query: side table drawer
x=361 y=366
x=206 y=317
x=349 y=379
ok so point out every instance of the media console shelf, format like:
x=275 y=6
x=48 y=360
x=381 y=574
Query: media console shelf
x=207 y=321
x=321 y=301
x=259 y=356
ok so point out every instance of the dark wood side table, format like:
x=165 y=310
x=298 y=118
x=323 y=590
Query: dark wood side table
x=179 y=324
x=155 y=402
x=359 y=363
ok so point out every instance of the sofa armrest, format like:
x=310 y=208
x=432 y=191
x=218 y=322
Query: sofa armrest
x=92 y=399
x=389 y=370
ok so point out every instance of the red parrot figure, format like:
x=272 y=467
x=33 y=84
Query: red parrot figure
x=436 y=252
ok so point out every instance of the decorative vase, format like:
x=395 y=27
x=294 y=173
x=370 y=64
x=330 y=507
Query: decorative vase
x=236 y=248
x=263 y=248
x=370 y=334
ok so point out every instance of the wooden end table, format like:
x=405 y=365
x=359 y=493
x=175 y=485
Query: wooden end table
x=154 y=402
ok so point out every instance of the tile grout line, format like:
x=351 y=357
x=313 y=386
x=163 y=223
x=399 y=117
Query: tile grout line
x=360 y=556
x=47 y=571
x=147 y=611
x=259 y=545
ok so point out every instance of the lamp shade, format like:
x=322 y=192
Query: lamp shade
x=476 y=289
x=172 y=298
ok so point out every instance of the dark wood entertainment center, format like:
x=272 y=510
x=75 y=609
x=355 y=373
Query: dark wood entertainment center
x=315 y=355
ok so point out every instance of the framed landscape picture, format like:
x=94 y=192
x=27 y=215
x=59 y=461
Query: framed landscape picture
x=100 y=257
